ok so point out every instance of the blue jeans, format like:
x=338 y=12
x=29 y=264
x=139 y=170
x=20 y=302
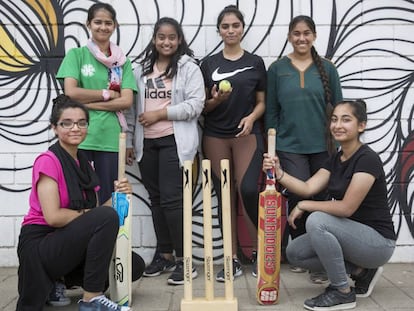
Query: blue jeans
x=338 y=246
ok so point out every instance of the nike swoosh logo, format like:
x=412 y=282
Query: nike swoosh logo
x=216 y=76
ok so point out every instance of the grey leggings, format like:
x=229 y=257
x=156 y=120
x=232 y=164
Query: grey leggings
x=338 y=246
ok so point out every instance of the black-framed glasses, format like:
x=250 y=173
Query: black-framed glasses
x=69 y=124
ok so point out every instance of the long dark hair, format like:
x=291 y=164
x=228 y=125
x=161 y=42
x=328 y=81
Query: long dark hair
x=330 y=144
x=150 y=54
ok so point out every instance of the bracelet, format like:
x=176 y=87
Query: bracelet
x=283 y=174
x=106 y=95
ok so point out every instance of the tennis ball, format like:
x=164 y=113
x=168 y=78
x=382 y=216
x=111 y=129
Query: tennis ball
x=224 y=85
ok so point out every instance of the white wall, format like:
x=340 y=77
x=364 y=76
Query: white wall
x=370 y=42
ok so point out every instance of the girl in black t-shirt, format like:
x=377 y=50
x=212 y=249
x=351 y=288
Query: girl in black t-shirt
x=232 y=122
x=352 y=233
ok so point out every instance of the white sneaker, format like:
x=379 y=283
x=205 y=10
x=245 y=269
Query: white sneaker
x=101 y=303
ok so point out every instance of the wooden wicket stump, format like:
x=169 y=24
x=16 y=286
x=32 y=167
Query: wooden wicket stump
x=209 y=302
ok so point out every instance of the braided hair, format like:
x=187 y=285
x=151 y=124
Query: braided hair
x=324 y=76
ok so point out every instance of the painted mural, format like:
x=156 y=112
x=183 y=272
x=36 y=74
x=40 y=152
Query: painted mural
x=369 y=41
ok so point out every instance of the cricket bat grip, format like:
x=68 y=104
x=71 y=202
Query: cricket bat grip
x=271 y=150
x=271 y=142
x=121 y=156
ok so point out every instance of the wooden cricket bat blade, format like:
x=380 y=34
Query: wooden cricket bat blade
x=269 y=236
x=120 y=270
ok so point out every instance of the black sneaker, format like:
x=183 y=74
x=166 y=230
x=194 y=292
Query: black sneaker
x=237 y=271
x=177 y=277
x=158 y=265
x=365 y=281
x=331 y=299
x=57 y=296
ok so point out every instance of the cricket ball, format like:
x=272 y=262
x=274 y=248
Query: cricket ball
x=224 y=86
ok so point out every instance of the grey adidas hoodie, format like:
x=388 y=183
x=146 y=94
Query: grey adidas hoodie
x=187 y=103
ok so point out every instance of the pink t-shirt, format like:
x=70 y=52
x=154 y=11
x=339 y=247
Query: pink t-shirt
x=158 y=96
x=47 y=164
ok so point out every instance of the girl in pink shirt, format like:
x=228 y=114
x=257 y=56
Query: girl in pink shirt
x=65 y=234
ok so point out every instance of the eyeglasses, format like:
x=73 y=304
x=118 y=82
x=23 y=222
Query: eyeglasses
x=69 y=124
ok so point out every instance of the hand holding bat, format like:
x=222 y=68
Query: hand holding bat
x=123 y=186
x=272 y=162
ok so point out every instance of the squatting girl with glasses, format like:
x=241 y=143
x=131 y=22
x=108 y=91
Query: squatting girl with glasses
x=66 y=234
x=352 y=233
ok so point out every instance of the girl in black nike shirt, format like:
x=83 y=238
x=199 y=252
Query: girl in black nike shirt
x=232 y=127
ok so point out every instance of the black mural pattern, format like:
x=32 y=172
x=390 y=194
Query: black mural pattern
x=370 y=43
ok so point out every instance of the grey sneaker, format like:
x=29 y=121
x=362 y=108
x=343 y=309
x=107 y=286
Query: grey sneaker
x=365 y=282
x=159 y=265
x=331 y=299
x=177 y=277
x=57 y=296
x=101 y=303
x=237 y=271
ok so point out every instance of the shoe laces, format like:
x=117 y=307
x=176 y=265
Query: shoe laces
x=106 y=302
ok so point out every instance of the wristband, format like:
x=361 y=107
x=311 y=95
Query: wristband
x=106 y=95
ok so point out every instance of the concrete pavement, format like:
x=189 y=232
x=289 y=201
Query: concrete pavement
x=394 y=291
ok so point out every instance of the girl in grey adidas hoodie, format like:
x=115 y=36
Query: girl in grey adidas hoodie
x=163 y=133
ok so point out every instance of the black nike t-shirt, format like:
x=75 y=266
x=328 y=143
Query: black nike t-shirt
x=247 y=76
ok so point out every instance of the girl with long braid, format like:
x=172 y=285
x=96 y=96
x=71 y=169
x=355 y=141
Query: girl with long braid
x=302 y=89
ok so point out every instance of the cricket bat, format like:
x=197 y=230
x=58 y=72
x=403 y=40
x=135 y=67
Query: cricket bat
x=120 y=270
x=269 y=236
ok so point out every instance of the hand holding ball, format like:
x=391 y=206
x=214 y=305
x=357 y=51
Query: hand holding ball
x=224 y=86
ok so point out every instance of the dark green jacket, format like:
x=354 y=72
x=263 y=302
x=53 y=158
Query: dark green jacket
x=295 y=105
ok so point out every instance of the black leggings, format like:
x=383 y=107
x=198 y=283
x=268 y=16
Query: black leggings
x=301 y=166
x=162 y=176
x=105 y=164
x=46 y=254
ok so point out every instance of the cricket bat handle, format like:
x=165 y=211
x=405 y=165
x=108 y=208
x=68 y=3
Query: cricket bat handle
x=271 y=142
x=121 y=155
